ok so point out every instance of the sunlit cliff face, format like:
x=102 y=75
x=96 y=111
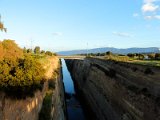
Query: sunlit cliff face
x=32 y=105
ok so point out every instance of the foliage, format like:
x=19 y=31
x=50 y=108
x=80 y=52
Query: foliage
x=157 y=56
x=37 y=50
x=51 y=84
x=20 y=74
x=21 y=77
x=109 y=53
x=42 y=52
x=148 y=62
x=151 y=56
x=1 y=51
x=118 y=58
x=45 y=113
x=140 y=56
x=29 y=50
x=49 y=53
x=55 y=54
x=10 y=50
x=131 y=55
x=2 y=28
x=24 y=50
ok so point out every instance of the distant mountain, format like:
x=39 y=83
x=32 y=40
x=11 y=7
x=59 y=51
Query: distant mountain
x=113 y=50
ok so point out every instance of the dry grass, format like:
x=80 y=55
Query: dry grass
x=147 y=62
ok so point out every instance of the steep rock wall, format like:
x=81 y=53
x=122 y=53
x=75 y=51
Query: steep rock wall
x=24 y=109
x=58 y=100
x=117 y=90
x=29 y=108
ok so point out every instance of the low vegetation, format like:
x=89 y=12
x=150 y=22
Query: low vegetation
x=2 y=28
x=21 y=72
x=45 y=113
x=150 y=59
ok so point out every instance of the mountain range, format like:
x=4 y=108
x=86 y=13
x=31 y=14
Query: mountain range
x=112 y=49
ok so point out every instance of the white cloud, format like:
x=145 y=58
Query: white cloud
x=157 y=17
x=57 y=34
x=150 y=17
x=150 y=1
x=149 y=7
x=122 y=34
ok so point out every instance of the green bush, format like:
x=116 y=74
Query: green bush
x=21 y=77
x=51 y=84
x=45 y=113
x=157 y=56
x=48 y=53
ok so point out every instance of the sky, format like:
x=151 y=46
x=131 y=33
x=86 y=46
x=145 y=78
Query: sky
x=60 y=25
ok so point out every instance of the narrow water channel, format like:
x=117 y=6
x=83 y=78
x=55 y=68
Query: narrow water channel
x=74 y=108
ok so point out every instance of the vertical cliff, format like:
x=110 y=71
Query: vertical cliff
x=116 y=90
x=29 y=108
x=21 y=109
x=58 y=101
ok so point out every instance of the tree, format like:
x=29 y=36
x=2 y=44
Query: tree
x=108 y=53
x=98 y=54
x=48 y=53
x=141 y=56
x=37 y=50
x=29 y=50
x=11 y=50
x=157 y=56
x=2 y=28
x=42 y=52
x=131 y=55
x=151 y=56
x=24 y=50
x=22 y=78
x=1 y=51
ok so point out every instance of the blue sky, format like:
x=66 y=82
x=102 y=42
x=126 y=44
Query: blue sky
x=71 y=24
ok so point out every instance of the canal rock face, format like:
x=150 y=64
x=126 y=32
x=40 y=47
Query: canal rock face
x=29 y=108
x=24 y=109
x=58 y=100
x=116 y=90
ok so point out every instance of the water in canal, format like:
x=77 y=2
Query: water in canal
x=74 y=108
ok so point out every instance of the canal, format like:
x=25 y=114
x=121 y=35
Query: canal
x=74 y=108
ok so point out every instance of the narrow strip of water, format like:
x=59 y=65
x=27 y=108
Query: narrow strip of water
x=74 y=108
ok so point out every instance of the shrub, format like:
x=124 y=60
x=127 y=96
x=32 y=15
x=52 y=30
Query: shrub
x=131 y=55
x=10 y=50
x=45 y=113
x=49 y=53
x=29 y=50
x=151 y=56
x=21 y=77
x=118 y=58
x=51 y=84
x=37 y=50
x=157 y=56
